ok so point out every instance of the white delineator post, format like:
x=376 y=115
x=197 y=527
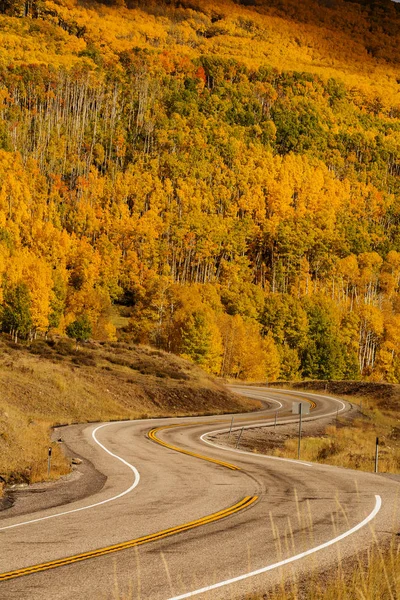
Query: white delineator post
x=49 y=462
x=376 y=455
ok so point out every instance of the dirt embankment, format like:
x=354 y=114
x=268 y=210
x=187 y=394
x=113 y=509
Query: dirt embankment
x=52 y=382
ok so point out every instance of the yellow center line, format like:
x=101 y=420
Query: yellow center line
x=152 y=435
x=244 y=503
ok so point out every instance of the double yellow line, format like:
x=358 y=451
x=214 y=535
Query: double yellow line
x=245 y=503
x=152 y=435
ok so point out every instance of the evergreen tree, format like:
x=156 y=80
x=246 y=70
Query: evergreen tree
x=16 y=311
x=80 y=329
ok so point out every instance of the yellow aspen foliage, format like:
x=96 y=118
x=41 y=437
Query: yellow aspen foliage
x=226 y=174
x=25 y=267
x=246 y=355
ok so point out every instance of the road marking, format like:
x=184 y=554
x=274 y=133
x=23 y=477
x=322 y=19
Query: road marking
x=75 y=510
x=131 y=467
x=270 y=424
x=136 y=472
x=222 y=514
x=209 y=588
x=260 y=396
x=152 y=435
x=317 y=395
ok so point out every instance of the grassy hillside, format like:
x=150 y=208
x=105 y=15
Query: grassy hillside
x=49 y=383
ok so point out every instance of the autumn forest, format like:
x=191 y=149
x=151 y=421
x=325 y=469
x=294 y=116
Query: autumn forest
x=220 y=180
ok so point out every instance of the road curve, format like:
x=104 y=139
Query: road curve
x=170 y=525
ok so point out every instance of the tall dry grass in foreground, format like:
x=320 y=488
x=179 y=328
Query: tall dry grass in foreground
x=372 y=574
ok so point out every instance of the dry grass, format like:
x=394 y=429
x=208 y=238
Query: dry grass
x=50 y=383
x=374 y=575
x=24 y=447
x=366 y=575
x=349 y=446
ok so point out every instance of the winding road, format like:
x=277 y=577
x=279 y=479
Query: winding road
x=174 y=515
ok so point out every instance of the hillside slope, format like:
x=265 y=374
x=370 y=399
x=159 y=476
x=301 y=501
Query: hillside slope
x=226 y=174
x=357 y=41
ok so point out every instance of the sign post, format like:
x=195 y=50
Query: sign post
x=300 y=408
x=300 y=419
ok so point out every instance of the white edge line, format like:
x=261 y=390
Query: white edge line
x=209 y=588
x=136 y=472
x=316 y=395
x=256 y=396
x=295 y=392
x=127 y=491
x=270 y=424
x=254 y=426
x=75 y=510
x=290 y=422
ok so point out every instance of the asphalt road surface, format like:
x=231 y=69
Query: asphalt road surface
x=147 y=521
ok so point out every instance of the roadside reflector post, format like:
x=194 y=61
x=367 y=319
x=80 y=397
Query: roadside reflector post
x=376 y=455
x=300 y=419
x=49 y=462
x=230 y=429
x=240 y=435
